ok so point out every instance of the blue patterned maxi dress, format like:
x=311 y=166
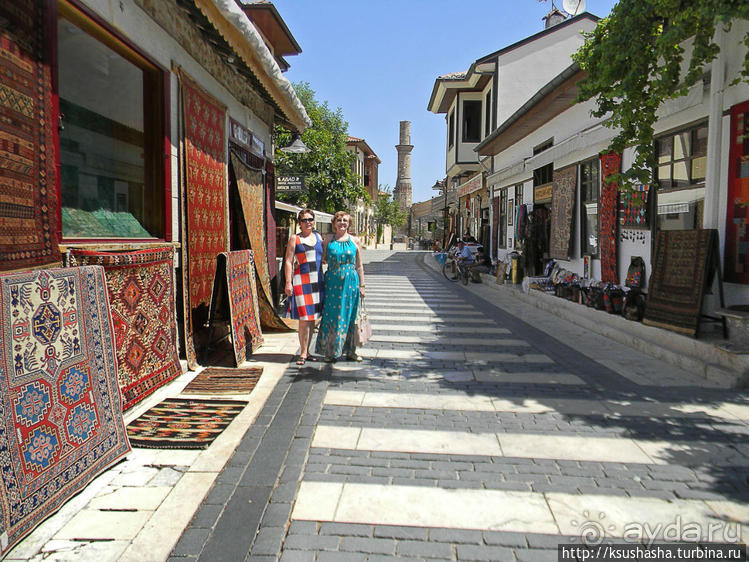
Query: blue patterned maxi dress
x=336 y=334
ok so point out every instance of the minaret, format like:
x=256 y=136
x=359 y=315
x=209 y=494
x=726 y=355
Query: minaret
x=402 y=191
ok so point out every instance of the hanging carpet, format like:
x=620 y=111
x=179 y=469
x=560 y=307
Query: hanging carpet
x=60 y=411
x=682 y=272
x=633 y=207
x=217 y=380
x=141 y=294
x=29 y=205
x=180 y=423
x=611 y=163
x=562 y=212
x=235 y=291
x=251 y=193
x=270 y=220
x=206 y=202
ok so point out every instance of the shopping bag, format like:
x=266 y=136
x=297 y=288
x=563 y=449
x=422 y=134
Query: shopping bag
x=363 y=327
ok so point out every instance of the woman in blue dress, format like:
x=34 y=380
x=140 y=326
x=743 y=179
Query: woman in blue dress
x=344 y=285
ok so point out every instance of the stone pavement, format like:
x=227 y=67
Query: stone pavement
x=470 y=433
x=476 y=428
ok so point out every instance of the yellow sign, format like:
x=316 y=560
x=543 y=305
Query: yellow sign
x=542 y=193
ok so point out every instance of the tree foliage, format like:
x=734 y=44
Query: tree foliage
x=328 y=167
x=644 y=53
x=387 y=211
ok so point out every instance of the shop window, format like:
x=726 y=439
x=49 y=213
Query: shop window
x=488 y=114
x=111 y=112
x=682 y=158
x=543 y=146
x=590 y=188
x=502 y=238
x=451 y=130
x=519 y=194
x=471 y=121
x=543 y=175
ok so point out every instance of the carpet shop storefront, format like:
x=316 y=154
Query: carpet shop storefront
x=136 y=223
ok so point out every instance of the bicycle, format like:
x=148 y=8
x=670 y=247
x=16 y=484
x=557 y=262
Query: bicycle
x=455 y=270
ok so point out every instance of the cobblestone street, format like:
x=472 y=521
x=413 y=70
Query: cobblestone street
x=476 y=428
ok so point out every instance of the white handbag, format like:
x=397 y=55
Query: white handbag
x=363 y=327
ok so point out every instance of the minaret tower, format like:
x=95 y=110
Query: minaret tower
x=402 y=191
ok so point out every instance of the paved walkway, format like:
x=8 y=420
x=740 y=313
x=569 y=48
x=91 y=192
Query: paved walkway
x=475 y=429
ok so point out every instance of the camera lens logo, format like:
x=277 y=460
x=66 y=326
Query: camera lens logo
x=592 y=530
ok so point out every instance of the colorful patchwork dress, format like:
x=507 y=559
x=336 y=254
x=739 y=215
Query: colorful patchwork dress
x=336 y=335
x=308 y=288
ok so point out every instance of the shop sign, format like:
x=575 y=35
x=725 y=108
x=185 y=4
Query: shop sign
x=239 y=134
x=473 y=184
x=258 y=146
x=288 y=184
x=542 y=193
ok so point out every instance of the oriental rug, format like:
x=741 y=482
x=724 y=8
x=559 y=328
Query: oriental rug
x=251 y=193
x=270 y=219
x=562 y=212
x=206 y=201
x=29 y=203
x=141 y=294
x=238 y=269
x=611 y=164
x=60 y=410
x=217 y=380
x=181 y=423
x=495 y=225
x=633 y=207
x=682 y=271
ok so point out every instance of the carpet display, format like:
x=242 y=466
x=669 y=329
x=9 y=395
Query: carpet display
x=242 y=295
x=141 y=294
x=495 y=222
x=270 y=220
x=217 y=380
x=736 y=264
x=29 y=222
x=206 y=198
x=684 y=260
x=633 y=207
x=181 y=423
x=60 y=411
x=251 y=193
x=611 y=163
x=562 y=212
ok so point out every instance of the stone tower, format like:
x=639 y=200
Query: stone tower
x=402 y=191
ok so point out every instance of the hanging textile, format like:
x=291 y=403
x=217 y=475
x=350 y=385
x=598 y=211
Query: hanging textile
x=270 y=220
x=141 y=294
x=206 y=202
x=633 y=207
x=611 y=163
x=60 y=412
x=29 y=202
x=562 y=212
x=495 y=224
x=251 y=193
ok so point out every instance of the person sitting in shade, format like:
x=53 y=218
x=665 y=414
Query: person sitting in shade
x=482 y=264
x=463 y=253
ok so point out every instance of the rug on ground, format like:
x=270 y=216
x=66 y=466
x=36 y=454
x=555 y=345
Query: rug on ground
x=179 y=423
x=220 y=380
x=141 y=294
x=60 y=411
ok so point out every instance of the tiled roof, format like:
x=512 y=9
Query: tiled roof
x=354 y=139
x=454 y=76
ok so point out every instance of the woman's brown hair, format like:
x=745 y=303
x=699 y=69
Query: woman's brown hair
x=303 y=212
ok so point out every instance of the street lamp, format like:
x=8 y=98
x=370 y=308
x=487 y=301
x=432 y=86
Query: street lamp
x=296 y=146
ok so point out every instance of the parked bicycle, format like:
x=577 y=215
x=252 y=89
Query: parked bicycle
x=456 y=270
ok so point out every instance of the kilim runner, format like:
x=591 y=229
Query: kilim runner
x=217 y=380
x=179 y=423
x=611 y=163
x=251 y=194
x=60 y=411
x=562 y=212
x=29 y=206
x=206 y=200
x=141 y=293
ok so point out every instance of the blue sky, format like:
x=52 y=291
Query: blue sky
x=377 y=60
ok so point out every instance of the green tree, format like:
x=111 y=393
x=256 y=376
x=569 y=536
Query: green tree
x=387 y=211
x=635 y=60
x=328 y=167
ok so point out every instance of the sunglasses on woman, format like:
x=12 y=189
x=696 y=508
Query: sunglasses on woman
x=307 y=220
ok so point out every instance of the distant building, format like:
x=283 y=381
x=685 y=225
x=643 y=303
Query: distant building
x=366 y=167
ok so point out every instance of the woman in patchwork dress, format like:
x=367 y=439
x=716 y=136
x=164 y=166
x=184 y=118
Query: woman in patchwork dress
x=305 y=287
x=344 y=285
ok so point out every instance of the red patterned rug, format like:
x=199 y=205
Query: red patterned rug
x=218 y=380
x=633 y=207
x=243 y=303
x=683 y=260
x=60 y=411
x=29 y=222
x=562 y=212
x=611 y=163
x=180 y=423
x=141 y=293
x=206 y=200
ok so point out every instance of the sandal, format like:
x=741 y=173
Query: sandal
x=301 y=360
x=328 y=359
x=354 y=357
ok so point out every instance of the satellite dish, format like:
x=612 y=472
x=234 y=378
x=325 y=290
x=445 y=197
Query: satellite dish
x=573 y=7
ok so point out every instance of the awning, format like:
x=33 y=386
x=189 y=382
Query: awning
x=319 y=215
